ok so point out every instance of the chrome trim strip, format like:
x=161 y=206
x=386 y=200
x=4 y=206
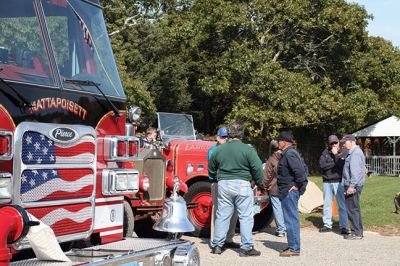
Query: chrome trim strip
x=52 y=203
x=59 y=166
x=157 y=254
x=109 y=199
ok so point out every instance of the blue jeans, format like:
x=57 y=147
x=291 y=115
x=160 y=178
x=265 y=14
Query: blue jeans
x=234 y=194
x=291 y=216
x=337 y=190
x=280 y=222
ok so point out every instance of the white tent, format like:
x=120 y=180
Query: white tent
x=387 y=127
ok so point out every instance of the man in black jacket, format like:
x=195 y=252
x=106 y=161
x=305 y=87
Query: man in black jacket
x=331 y=163
x=292 y=182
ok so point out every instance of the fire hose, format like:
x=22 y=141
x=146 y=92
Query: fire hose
x=14 y=225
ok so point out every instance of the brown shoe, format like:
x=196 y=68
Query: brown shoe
x=288 y=253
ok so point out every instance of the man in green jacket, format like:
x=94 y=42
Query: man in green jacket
x=234 y=165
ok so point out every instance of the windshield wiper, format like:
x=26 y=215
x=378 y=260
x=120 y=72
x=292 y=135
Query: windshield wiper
x=93 y=84
x=22 y=102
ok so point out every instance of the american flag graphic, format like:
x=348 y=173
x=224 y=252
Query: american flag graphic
x=85 y=29
x=65 y=219
x=54 y=183
x=39 y=149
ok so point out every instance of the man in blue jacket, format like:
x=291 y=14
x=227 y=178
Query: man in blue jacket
x=292 y=182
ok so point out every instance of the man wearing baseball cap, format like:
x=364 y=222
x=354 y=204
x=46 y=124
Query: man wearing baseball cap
x=235 y=165
x=292 y=182
x=353 y=182
x=331 y=163
x=222 y=137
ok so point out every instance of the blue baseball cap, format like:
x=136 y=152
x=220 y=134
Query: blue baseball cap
x=222 y=132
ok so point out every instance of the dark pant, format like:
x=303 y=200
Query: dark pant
x=354 y=211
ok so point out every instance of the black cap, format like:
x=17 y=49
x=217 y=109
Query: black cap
x=333 y=139
x=285 y=136
x=348 y=137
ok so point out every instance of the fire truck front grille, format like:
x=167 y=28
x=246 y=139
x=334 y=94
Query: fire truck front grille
x=57 y=177
x=155 y=170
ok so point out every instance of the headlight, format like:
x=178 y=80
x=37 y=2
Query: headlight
x=120 y=181
x=144 y=183
x=132 y=181
x=134 y=113
x=189 y=169
x=5 y=187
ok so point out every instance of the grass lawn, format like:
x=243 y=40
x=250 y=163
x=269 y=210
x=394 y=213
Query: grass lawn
x=377 y=205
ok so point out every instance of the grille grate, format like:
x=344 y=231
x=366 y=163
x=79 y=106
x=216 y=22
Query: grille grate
x=37 y=148
x=155 y=170
x=57 y=177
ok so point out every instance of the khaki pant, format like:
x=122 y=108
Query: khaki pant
x=232 y=224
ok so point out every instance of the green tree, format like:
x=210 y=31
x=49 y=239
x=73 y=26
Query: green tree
x=269 y=64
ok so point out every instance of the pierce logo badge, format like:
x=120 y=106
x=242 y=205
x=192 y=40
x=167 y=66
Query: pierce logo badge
x=63 y=134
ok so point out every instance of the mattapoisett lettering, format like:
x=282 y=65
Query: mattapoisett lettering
x=58 y=103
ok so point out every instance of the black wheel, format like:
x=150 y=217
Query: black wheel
x=129 y=220
x=144 y=229
x=263 y=218
x=200 y=217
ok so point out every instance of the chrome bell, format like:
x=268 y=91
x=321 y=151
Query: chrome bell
x=174 y=218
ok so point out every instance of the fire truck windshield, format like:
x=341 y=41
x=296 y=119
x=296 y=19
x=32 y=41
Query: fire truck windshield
x=81 y=45
x=48 y=41
x=176 y=126
x=22 y=50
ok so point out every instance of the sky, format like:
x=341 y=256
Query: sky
x=386 y=20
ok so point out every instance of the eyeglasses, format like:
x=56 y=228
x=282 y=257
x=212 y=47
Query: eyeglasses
x=334 y=143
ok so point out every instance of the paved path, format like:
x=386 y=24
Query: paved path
x=317 y=249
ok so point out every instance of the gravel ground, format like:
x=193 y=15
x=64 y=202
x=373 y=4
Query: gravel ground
x=316 y=249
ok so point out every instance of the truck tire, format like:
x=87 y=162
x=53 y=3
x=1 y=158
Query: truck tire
x=129 y=220
x=263 y=218
x=200 y=217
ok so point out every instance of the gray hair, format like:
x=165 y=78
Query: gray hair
x=274 y=145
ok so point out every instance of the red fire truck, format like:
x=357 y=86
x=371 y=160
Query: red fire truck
x=67 y=155
x=187 y=158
